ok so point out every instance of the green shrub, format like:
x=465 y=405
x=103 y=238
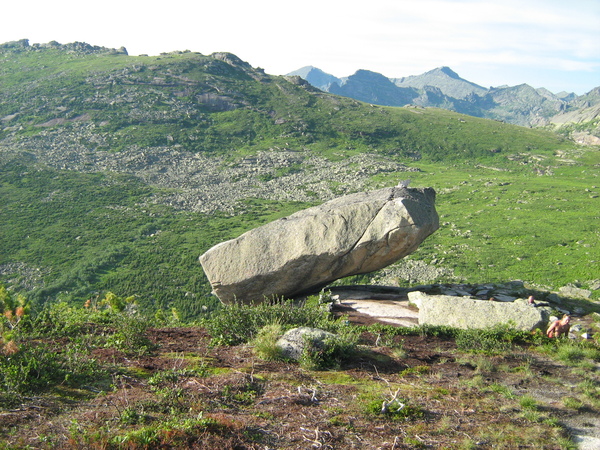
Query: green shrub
x=244 y=392
x=497 y=339
x=131 y=416
x=60 y=319
x=441 y=331
x=502 y=389
x=130 y=334
x=113 y=317
x=396 y=409
x=14 y=314
x=327 y=354
x=174 y=433
x=34 y=367
x=528 y=402
x=265 y=343
x=576 y=353
x=239 y=323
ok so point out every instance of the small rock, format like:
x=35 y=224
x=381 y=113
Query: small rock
x=504 y=298
x=461 y=312
x=292 y=343
x=572 y=291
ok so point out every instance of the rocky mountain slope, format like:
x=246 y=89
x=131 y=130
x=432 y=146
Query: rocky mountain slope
x=443 y=88
x=186 y=121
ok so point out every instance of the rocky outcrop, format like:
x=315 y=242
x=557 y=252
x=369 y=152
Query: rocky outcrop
x=73 y=47
x=350 y=235
x=191 y=179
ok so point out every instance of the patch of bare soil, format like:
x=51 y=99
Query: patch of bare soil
x=189 y=394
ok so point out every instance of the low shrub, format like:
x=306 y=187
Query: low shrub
x=240 y=323
x=497 y=339
x=329 y=353
x=576 y=353
x=130 y=334
x=265 y=343
x=398 y=409
x=169 y=434
x=34 y=367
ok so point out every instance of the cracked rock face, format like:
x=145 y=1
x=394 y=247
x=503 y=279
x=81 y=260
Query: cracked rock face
x=350 y=235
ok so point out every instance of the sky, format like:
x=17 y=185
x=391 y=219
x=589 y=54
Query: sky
x=553 y=44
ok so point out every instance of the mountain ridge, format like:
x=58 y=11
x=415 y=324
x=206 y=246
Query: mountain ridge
x=443 y=88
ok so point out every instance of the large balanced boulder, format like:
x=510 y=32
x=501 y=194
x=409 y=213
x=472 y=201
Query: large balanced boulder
x=304 y=252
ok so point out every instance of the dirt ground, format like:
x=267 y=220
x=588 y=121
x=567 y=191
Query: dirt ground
x=457 y=401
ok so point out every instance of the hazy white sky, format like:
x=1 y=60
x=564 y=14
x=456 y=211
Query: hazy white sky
x=545 y=43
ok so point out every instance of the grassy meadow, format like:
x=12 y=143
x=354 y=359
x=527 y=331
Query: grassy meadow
x=93 y=233
x=500 y=224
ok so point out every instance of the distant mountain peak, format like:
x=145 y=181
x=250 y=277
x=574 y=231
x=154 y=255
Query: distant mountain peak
x=443 y=88
x=304 y=71
x=369 y=74
x=448 y=71
x=316 y=77
x=444 y=78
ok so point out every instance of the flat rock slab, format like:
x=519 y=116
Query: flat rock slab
x=464 y=313
x=393 y=312
x=391 y=308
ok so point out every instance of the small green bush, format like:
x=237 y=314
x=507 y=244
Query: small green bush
x=576 y=353
x=239 y=323
x=34 y=367
x=131 y=416
x=130 y=335
x=398 y=409
x=329 y=353
x=170 y=434
x=497 y=339
x=528 y=402
x=501 y=389
x=265 y=343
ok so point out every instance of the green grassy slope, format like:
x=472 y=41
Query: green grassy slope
x=223 y=105
x=515 y=225
x=69 y=234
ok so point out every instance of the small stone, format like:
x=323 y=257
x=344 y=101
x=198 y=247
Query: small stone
x=504 y=298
